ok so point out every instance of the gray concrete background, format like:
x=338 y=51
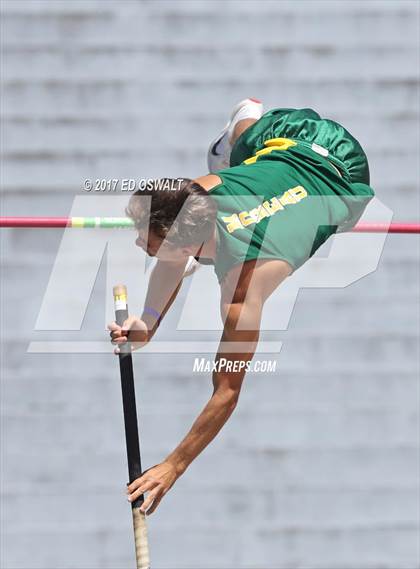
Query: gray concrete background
x=319 y=466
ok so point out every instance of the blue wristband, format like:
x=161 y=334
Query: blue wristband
x=152 y=312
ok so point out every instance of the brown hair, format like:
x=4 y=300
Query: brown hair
x=180 y=206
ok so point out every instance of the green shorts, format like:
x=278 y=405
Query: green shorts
x=283 y=196
x=305 y=126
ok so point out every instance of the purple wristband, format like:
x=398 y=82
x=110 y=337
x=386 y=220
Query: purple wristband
x=152 y=312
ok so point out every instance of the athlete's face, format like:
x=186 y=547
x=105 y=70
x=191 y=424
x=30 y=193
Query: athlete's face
x=156 y=247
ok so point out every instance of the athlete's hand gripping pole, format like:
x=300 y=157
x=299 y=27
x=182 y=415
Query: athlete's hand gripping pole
x=131 y=429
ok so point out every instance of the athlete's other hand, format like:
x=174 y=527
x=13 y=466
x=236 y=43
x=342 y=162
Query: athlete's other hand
x=133 y=330
x=157 y=481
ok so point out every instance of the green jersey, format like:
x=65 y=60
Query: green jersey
x=284 y=196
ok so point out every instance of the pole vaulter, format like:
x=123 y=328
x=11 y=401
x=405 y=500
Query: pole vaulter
x=208 y=220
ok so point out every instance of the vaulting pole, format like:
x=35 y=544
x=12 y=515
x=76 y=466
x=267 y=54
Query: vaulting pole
x=131 y=429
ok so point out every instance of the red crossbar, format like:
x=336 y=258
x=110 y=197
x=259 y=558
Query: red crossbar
x=385 y=228
x=67 y=221
x=35 y=221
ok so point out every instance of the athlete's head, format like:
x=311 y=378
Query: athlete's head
x=173 y=217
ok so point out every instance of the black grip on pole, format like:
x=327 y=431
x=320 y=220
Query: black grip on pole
x=129 y=402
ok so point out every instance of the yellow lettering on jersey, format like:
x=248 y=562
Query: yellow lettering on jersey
x=257 y=154
x=246 y=218
x=267 y=209
x=298 y=192
x=280 y=143
x=232 y=223
x=260 y=213
x=271 y=145
x=287 y=198
x=272 y=206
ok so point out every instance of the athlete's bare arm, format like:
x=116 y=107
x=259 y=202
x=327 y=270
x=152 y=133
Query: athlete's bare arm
x=164 y=284
x=243 y=295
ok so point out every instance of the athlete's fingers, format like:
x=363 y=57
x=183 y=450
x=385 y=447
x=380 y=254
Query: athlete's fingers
x=120 y=340
x=128 y=324
x=133 y=346
x=132 y=486
x=115 y=334
x=149 y=486
x=154 y=495
x=145 y=486
x=155 y=504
